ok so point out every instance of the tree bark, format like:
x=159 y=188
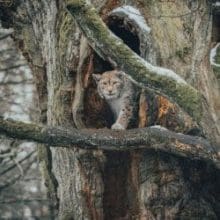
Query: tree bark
x=154 y=138
x=139 y=184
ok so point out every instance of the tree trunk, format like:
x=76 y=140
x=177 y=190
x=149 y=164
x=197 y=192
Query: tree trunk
x=138 y=184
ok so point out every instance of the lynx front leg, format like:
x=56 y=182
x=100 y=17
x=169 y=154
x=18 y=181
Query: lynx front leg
x=123 y=119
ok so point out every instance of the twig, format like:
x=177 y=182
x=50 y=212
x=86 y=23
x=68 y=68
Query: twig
x=16 y=177
x=19 y=166
x=15 y=164
x=13 y=67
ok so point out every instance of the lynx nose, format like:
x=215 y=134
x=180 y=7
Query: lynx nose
x=110 y=90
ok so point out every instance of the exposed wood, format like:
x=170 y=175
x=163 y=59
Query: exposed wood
x=155 y=137
x=157 y=110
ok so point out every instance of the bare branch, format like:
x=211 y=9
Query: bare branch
x=18 y=162
x=156 y=138
x=12 y=82
x=13 y=67
x=27 y=200
x=16 y=177
x=3 y=36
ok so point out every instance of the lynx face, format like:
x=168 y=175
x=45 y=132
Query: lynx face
x=110 y=84
x=119 y=93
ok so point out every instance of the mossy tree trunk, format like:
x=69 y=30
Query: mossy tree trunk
x=139 y=184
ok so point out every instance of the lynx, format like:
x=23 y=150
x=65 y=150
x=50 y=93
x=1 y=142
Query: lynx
x=118 y=91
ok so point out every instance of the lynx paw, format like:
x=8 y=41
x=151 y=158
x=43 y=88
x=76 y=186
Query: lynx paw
x=117 y=126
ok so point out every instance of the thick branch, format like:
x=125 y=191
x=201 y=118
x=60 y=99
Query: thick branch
x=156 y=138
x=111 y=48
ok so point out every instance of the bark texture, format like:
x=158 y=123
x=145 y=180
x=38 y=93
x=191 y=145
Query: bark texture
x=140 y=184
x=157 y=138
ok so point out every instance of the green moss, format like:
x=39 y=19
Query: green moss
x=183 y=52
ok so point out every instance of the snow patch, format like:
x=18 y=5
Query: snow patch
x=133 y=14
x=163 y=72
x=33 y=189
x=169 y=73
x=160 y=71
x=213 y=53
x=158 y=127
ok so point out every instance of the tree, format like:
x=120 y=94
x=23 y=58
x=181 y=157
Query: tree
x=128 y=184
x=21 y=193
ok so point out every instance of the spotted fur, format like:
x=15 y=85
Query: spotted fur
x=118 y=91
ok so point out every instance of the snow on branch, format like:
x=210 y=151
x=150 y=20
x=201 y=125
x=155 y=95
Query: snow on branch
x=132 y=14
x=213 y=54
x=112 y=49
x=156 y=138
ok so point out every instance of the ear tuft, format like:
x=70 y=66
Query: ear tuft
x=96 y=77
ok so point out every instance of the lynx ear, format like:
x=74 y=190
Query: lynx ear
x=120 y=74
x=96 y=77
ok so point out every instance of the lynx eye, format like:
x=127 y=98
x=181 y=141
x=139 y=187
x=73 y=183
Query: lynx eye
x=104 y=83
x=114 y=83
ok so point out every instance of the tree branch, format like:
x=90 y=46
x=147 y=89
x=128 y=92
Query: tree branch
x=12 y=67
x=111 y=48
x=156 y=138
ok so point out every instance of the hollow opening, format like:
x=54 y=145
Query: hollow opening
x=115 y=199
x=118 y=198
x=97 y=113
x=216 y=27
x=125 y=30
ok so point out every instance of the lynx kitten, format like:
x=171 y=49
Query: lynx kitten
x=118 y=91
